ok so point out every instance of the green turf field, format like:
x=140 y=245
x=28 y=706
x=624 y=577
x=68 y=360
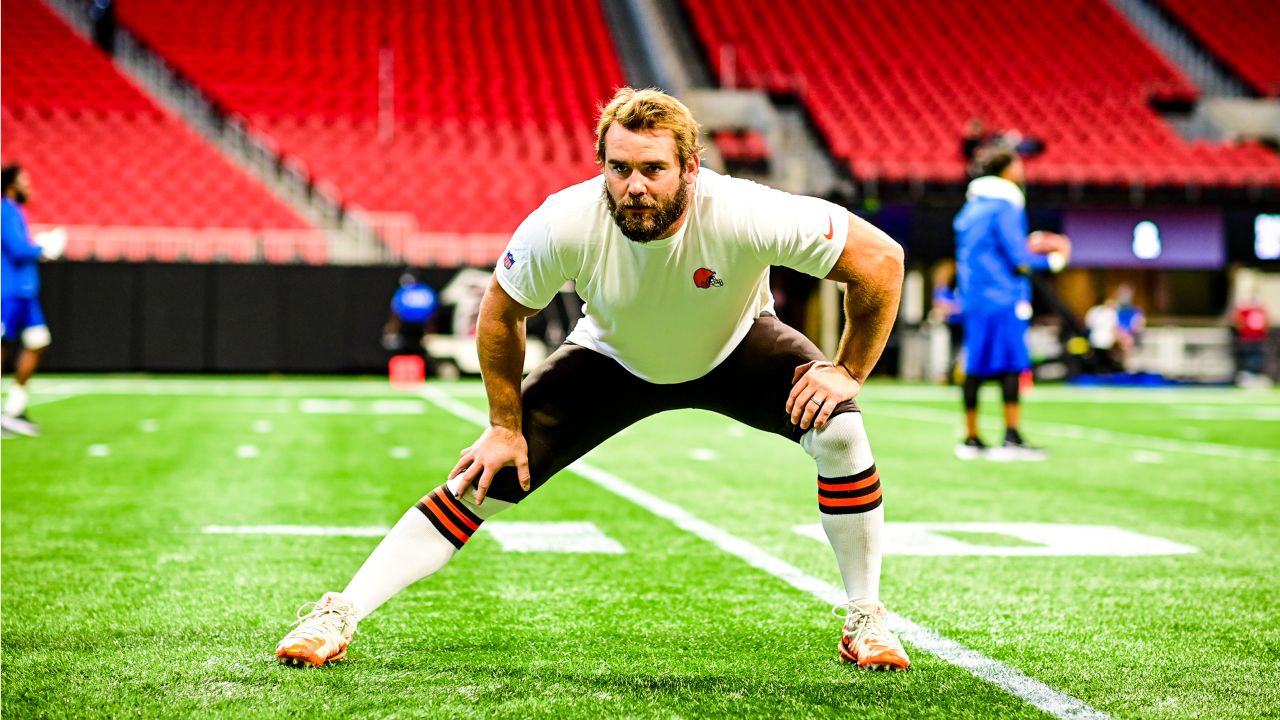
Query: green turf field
x=116 y=601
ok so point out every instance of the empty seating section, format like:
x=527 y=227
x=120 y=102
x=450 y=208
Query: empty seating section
x=452 y=175
x=744 y=151
x=746 y=146
x=134 y=169
x=1241 y=33
x=890 y=84
x=100 y=153
x=465 y=115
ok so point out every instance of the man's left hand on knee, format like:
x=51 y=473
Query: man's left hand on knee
x=817 y=389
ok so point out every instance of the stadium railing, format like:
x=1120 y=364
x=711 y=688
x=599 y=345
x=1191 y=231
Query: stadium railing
x=195 y=245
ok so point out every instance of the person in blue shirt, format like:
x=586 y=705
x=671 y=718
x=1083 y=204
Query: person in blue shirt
x=994 y=260
x=412 y=308
x=1130 y=322
x=23 y=320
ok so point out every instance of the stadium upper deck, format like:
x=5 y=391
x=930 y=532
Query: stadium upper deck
x=102 y=153
x=464 y=114
x=460 y=118
x=891 y=86
x=1241 y=33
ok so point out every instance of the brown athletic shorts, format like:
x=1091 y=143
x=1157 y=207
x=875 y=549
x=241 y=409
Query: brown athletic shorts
x=578 y=398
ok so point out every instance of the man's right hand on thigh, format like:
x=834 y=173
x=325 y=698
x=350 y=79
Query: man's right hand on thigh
x=497 y=448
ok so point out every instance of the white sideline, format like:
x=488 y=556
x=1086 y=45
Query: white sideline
x=1009 y=679
x=1190 y=400
x=1078 y=432
x=888 y=401
x=45 y=395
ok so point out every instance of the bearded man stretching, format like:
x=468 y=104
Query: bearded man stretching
x=672 y=261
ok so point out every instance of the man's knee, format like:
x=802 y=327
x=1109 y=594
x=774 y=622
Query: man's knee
x=491 y=506
x=36 y=338
x=841 y=447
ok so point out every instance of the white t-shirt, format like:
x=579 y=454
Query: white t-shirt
x=1103 y=323
x=672 y=309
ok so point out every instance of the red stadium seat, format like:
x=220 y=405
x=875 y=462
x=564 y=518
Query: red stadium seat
x=1241 y=33
x=890 y=83
x=100 y=153
x=493 y=100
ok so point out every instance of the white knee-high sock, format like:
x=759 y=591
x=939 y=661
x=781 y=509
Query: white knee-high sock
x=858 y=541
x=16 y=403
x=423 y=541
x=850 y=502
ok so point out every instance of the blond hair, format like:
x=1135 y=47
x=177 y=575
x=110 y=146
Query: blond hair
x=650 y=109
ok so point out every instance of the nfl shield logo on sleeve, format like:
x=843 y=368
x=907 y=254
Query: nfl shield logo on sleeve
x=508 y=261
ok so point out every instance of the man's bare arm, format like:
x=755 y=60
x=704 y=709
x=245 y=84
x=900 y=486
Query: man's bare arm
x=871 y=266
x=500 y=342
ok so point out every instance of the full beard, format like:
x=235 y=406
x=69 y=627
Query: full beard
x=649 y=226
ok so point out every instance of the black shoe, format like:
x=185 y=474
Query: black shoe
x=1015 y=448
x=971 y=449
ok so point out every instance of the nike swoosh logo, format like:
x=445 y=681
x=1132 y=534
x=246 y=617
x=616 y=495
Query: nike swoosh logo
x=831 y=228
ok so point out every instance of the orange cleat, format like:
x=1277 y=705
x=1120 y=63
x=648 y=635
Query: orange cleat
x=866 y=639
x=321 y=635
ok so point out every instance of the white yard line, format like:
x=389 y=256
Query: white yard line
x=880 y=400
x=523 y=537
x=1069 y=394
x=221 y=388
x=46 y=396
x=995 y=672
x=304 y=530
x=1077 y=432
x=876 y=393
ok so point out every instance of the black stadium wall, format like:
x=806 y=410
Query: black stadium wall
x=158 y=317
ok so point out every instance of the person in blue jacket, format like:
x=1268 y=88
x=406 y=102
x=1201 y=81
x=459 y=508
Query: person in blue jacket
x=23 y=320
x=994 y=260
x=413 y=307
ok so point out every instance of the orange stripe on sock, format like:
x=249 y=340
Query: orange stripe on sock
x=844 y=487
x=446 y=498
x=850 y=502
x=444 y=519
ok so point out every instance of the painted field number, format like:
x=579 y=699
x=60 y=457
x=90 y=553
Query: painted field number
x=1016 y=540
